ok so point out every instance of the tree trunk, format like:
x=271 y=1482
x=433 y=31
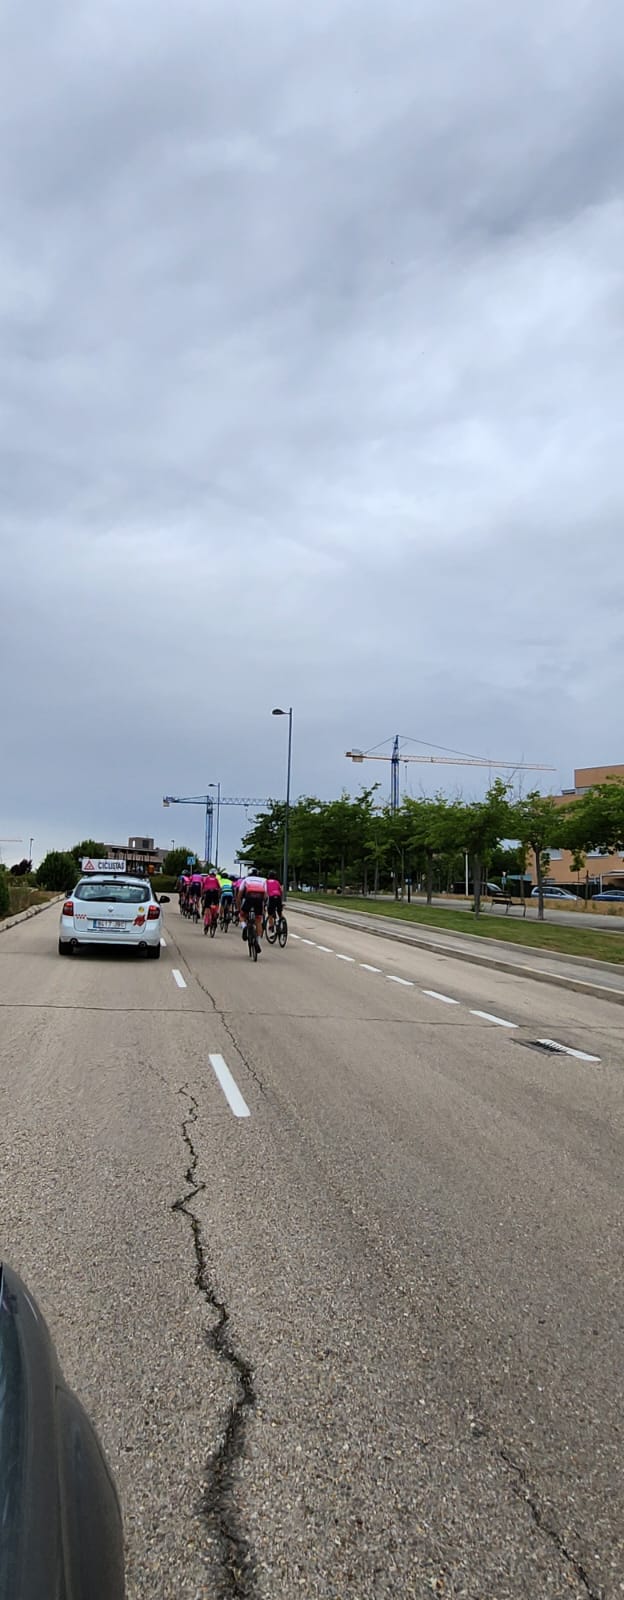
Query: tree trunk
x=376 y=883
x=365 y=889
x=539 y=873
x=342 y=872
x=429 y=877
x=476 y=880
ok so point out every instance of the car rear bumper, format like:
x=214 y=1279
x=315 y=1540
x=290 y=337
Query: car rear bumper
x=138 y=939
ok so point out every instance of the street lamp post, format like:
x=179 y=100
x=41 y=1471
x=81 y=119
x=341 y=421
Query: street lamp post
x=216 y=786
x=278 y=712
x=30 y=849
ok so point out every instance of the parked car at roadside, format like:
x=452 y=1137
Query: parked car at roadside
x=609 y=894
x=551 y=892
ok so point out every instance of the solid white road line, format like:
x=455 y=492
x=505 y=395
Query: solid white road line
x=344 y=958
x=486 y=1016
x=365 y=967
x=445 y=998
x=407 y=982
x=564 y=1049
x=181 y=982
x=230 y=1088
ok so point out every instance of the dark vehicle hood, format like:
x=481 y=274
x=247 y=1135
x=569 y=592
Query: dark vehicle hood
x=60 y=1522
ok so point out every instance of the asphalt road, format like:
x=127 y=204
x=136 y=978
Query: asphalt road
x=365 y=1340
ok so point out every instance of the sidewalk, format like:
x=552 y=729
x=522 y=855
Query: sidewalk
x=602 y=979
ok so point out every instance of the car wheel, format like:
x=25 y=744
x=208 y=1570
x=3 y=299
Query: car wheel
x=64 y=947
x=153 y=950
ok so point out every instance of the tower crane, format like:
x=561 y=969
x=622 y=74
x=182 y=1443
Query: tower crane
x=207 y=801
x=450 y=758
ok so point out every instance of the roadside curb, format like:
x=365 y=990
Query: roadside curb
x=598 y=991
x=25 y=916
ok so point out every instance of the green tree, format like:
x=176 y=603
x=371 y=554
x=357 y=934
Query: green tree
x=263 y=844
x=483 y=824
x=537 y=822
x=59 y=870
x=175 y=861
x=90 y=848
x=596 y=820
x=435 y=833
x=4 y=892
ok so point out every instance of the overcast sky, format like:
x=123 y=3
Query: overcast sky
x=311 y=393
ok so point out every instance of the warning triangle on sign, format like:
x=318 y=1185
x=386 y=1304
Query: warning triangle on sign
x=88 y=866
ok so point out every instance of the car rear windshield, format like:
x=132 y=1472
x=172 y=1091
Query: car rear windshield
x=129 y=893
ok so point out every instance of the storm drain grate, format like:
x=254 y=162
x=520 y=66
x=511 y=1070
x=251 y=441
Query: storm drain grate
x=539 y=1044
x=552 y=1047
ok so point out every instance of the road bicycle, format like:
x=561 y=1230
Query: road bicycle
x=253 y=945
x=225 y=917
x=276 y=929
x=211 y=918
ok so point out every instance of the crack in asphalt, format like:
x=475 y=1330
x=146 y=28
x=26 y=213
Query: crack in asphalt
x=218 y=1490
x=523 y=1490
x=222 y=1016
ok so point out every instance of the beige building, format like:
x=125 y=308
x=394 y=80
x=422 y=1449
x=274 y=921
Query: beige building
x=140 y=854
x=609 y=869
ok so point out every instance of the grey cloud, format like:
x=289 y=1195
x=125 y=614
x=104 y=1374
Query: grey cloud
x=314 y=317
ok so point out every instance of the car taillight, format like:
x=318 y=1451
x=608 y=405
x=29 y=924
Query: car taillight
x=153 y=913
x=68 y=908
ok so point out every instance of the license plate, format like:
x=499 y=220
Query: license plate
x=107 y=922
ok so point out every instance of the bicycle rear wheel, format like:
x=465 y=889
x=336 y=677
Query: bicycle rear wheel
x=271 y=932
x=283 y=933
x=213 y=928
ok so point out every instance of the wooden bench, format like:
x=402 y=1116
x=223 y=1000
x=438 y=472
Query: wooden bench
x=506 y=901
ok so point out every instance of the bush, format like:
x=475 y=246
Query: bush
x=175 y=861
x=4 y=893
x=58 y=871
x=162 y=883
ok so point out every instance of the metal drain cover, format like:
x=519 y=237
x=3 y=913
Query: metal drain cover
x=541 y=1044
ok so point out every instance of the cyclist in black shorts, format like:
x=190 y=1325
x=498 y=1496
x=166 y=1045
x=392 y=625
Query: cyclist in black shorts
x=252 y=895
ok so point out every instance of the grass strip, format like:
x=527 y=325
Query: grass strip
x=536 y=935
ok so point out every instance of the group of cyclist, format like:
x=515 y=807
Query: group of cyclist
x=222 y=899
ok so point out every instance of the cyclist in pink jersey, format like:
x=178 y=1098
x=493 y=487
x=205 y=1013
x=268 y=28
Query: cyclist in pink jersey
x=276 y=899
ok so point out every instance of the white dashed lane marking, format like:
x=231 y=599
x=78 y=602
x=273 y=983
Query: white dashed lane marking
x=432 y=994
x=164 y=943
x=229 y=1086
x=486 y=1016
x=177 y=977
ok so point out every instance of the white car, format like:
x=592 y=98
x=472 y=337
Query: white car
x=119 y=910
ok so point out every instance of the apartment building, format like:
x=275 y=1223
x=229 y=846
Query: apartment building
x=608 y=869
